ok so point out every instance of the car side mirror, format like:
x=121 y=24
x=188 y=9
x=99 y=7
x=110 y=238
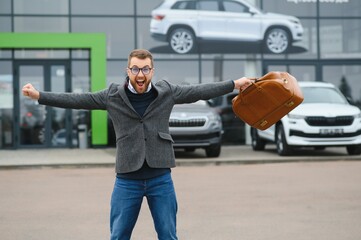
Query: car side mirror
x=211 y=102
x=350 y=101
x=251 y=11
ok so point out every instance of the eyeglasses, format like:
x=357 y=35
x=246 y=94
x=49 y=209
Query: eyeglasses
x=135 y=70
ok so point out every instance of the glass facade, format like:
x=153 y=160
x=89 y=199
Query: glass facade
x=41 y=24
x=6 y=104
x=106 y=7
x=330 y=48
x=340 y=38
x=43 y=7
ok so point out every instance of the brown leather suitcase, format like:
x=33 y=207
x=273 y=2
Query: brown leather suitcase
x=268 y=99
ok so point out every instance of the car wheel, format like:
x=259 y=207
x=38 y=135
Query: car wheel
x=182 y=40
x=283 y=149
x=213 y=150
x=277 y=40
x=258 y=144
x=353 y=149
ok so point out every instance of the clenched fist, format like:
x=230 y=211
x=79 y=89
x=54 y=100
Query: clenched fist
x=30 y=91
x=242 y=83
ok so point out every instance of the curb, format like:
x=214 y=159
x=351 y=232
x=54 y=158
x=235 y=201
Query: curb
x=92 y=158
x=181 y=163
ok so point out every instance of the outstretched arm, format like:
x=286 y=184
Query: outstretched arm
x=88 y=101
x=205 y=91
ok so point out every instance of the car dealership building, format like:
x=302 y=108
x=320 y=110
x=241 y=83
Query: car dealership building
x=83 y=45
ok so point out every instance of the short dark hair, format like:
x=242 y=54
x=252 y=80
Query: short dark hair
x=141 y=54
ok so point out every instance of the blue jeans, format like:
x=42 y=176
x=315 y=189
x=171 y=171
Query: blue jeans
x=127 y=199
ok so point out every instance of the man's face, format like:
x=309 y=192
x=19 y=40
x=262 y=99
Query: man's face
x=140 y=81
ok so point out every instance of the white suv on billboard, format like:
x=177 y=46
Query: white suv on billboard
x=184 y=23
x=323 y=119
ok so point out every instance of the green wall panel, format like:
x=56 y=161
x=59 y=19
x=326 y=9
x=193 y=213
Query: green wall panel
x=95 y=42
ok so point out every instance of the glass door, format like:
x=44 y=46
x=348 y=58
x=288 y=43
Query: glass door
x=31 y=114
x=38 y=125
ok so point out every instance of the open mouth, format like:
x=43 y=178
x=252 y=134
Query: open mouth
x=140 y=83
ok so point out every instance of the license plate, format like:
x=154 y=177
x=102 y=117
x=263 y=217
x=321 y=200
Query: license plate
x=331 y=132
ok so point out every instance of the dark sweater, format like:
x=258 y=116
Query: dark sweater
x=140 y=102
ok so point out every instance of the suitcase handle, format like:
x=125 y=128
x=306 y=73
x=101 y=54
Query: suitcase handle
x=253 y=81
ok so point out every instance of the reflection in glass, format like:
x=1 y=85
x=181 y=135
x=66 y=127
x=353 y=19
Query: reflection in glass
x=6 y=105
x=346 y=78
x=80 y=80
x=57 y=115
x=32 y=114
x=80 y=77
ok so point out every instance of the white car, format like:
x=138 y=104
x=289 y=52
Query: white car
x=323 y=119
x=184 y=23
x=196 y=125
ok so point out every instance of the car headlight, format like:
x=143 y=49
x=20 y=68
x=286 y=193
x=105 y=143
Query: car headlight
x=215 y=121
x=294 y=21
x=296 y=116
x=358 y=115
x=214 y=117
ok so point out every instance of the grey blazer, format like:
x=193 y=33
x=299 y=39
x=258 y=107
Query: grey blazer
x=139 y=138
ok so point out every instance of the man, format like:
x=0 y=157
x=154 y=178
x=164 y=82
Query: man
x=140 y=113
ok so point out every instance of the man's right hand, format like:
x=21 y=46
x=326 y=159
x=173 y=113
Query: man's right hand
x=30 y=91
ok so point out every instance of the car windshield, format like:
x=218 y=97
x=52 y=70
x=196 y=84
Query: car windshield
x=322 y=95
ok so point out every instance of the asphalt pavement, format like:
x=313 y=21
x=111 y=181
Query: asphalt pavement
x=65 y=193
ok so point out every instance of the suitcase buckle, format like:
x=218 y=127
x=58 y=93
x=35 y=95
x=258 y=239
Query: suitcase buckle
x=290 y=104
x=263 y=123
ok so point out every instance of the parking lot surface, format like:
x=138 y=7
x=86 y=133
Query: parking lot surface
x=300 y=200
